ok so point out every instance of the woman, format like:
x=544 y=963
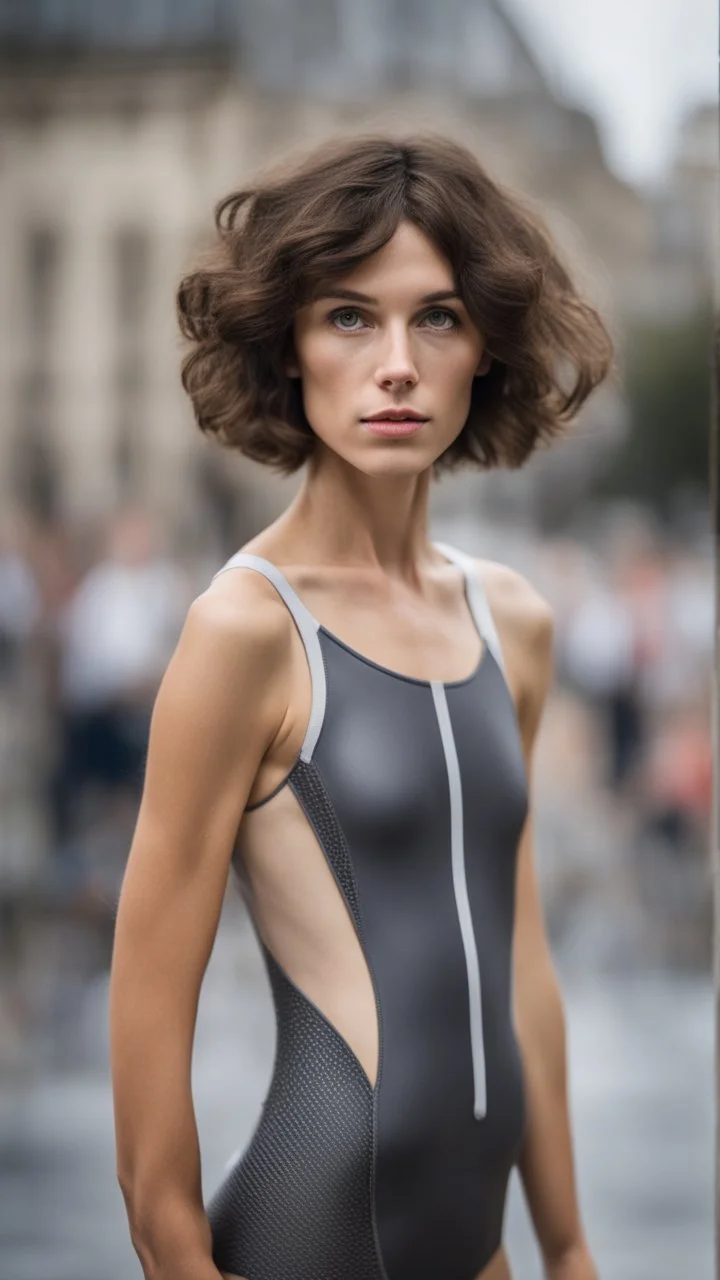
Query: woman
x=350 y=717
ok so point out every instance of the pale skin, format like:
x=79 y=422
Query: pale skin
x=230 y=717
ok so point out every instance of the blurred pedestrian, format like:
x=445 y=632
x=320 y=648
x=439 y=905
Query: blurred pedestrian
x=115 y=635
x=600 y=660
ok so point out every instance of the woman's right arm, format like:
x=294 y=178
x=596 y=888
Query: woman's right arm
x=220 y=705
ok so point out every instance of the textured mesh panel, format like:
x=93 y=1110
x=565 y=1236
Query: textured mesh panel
x=307 y=784
x=297 y=1205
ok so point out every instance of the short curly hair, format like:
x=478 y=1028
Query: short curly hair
x=313 y=220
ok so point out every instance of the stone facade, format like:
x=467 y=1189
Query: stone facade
x=113 y=158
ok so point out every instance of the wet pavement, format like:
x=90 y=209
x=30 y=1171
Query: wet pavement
x=641 y=1063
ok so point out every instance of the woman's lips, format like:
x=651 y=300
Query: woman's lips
x=394 y=426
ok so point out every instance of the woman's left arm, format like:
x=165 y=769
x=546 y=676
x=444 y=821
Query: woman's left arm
x=546 y=1164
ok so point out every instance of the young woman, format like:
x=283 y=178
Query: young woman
x=349 y=718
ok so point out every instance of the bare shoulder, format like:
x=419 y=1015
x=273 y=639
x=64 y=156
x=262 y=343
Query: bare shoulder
x=526 y=626
x=517 y=604
x=240 y=618
x=219 y=707
x=230 y=664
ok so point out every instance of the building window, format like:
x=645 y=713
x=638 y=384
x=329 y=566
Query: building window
x=131 y=265
x=42 y=261
x=34 y=462
x=131 y=254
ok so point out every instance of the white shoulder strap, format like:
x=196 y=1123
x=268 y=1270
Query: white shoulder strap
x=308 y=629
x=477 y=599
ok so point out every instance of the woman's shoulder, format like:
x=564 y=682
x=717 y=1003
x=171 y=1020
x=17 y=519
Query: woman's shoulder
x=225 y=690
x=513 y=595
x=240 y=621
x=526 y=626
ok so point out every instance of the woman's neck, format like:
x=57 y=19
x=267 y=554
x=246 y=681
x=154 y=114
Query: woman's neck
x=343 y=516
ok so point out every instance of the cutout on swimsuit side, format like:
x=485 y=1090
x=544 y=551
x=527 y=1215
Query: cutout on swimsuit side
x=311 y=924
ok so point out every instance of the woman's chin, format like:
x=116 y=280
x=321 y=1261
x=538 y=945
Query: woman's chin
x=393 y=463
x=384 y=458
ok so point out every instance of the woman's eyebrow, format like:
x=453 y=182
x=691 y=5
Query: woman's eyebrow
x=440 y=295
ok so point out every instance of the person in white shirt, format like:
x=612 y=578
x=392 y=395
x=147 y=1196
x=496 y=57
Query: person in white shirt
x=115 y=637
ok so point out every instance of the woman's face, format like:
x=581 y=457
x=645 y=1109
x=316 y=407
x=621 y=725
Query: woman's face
x=391 y=335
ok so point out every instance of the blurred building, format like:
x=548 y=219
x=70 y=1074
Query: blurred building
x=120 y=127
x=693 y=192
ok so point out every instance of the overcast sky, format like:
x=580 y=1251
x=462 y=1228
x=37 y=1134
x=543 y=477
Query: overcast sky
x=636 y=64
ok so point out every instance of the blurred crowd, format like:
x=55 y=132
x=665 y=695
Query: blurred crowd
x=88 y=623
x=634 y=642
x=84 y=640
x=88 y=620
x=628 y=758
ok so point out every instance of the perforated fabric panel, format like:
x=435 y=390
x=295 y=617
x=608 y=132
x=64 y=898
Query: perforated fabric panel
x=307 y=784
x=297 y=1205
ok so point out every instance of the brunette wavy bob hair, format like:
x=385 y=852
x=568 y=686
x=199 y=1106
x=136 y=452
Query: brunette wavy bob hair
x=311 y=221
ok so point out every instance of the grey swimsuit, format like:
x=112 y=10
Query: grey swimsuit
x=417 y=793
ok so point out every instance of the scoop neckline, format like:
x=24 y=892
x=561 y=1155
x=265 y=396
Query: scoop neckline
x=400 y=675
x=370 y=662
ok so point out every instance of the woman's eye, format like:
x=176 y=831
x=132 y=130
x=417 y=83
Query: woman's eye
x=448 y=316
x=339 y=318
x=350 y=320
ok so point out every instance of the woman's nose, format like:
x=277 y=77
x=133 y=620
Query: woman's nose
x=397 y=365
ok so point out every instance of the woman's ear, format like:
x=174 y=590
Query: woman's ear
x=484 y=364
